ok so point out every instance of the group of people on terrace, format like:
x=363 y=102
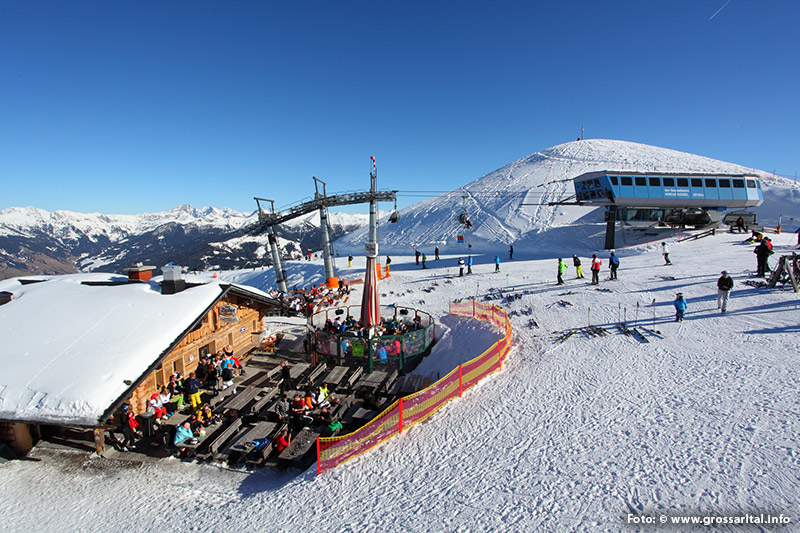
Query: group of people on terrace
x=387 y=326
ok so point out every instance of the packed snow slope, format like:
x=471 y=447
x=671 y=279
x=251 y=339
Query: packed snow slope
x=569 y=436
x=508 y=206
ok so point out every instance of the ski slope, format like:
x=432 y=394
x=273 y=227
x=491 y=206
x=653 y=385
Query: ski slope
x=569 y=436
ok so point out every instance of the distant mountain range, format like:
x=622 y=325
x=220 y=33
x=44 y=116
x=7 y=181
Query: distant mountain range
x=34 y=241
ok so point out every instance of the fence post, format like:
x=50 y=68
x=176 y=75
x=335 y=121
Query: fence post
x=400 y=417
x=473 y=308
x=319 y=465
x=460 y=383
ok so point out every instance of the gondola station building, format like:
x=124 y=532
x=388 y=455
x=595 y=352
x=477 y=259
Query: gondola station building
x=78 y=347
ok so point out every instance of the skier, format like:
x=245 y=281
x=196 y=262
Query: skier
x=416 y=252
x=424 y=258
x=740 y=225
x=578 y=268
x=436 y=254
x=511 y=252
x=562 y=267
x=665 y=253
x=680 y=307
x=497 y=263
x=460 y=267
x=349 y=261
x=762 y=252
x=596 y=264
x=388 y=262
x=469 y=265
x=724 y=286
x=613 y=264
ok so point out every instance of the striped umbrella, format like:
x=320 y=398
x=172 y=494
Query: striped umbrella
x=370 y=304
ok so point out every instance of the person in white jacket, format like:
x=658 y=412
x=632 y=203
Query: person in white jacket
x=665 y=253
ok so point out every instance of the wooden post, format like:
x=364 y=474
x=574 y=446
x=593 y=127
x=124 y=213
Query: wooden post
x=99 y=440
x=400 y=415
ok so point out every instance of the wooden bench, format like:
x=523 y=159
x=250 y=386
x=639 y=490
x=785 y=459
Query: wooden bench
x=258 y=406
x=316 y=373
x=355 y=376
x=223 y=436
x=386 y=386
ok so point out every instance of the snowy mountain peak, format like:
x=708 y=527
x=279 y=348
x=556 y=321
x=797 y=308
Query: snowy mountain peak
x=511 y=204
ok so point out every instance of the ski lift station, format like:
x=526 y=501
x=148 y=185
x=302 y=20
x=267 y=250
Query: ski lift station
x=665 y=198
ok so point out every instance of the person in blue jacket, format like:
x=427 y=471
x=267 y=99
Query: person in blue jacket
x=680 y=307
x=469 y=265
x=182 y=432
x=613 y=264
x=497 y=263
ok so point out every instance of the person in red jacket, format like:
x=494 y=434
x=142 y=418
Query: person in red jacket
x=282 y=441
x=129 y=425
x=596 y=264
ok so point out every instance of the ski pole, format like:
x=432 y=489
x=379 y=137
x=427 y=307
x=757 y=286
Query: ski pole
x=636 y=320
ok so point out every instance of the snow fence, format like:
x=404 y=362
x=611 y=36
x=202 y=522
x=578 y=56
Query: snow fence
x=413 y=409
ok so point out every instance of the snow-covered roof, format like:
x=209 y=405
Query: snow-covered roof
x=70 y=350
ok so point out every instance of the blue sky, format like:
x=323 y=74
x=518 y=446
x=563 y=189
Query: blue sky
x=131 y=107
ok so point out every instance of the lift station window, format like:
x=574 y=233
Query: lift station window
x=697 y=182
x=738 y=184
x=641 y=182
x=669 y=182
x=626 y=181
x=655 y=182
x=613 y=180
x=683 y=182
x=711 y=182
x=725 y=184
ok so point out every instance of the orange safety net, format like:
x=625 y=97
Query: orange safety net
x=413 y=409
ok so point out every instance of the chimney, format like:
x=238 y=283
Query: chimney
x=173 y=282
x=139 y=272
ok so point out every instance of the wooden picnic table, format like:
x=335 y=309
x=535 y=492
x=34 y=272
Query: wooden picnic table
x=242 y=398
x=300 y=445
x=258 y=431
x=336 y=375
x=372 y=380
x=297 y=370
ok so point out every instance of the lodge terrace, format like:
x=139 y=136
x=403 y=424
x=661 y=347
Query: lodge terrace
x=78 y=347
